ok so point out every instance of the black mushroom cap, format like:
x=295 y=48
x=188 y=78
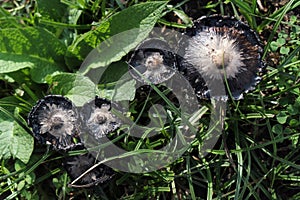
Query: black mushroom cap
x=97 y=119
x=222 y=47
x=79 y=164
x=54 y=121
x=152 y=61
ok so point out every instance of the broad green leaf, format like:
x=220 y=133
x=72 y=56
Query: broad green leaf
x=55 y=17
x=39 y=75
x=14 y=140
x=116 y=83
x=124 y=91
x=35 y=48
x=55 y=11
x=139 y=18
x=76 y=87
x=6 y=20
x=114 y=72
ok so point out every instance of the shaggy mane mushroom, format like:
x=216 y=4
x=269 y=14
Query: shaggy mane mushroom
x=54 y=121
x=222 y=49
x=152 y=61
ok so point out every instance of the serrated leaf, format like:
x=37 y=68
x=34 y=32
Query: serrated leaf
x=78 y=88
x=141 y=17
x=14 y=140
x=35 y=48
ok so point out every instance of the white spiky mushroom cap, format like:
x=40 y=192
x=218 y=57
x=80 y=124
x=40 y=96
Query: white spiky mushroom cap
x=54 y=121
x=97 y=120
x=223 y=48
x=152 y=61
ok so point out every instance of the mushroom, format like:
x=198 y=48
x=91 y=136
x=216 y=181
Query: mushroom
x=79 y=164
x=54 y=121
x=152 y=61
x=222 y=49
x=97 y=119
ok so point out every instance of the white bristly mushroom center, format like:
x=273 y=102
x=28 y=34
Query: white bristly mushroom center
x=57 y=121
x=102 y=121
x=156 y=72
x=154 y=61
x=215 y=55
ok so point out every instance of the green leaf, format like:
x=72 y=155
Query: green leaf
x=293 y=109
x=278 y=129
x=281 y=41
x=21 y=185
x=294 y=123
x=282 y=117
x=52 y=15
x=141 y=17
x=14 y=140
x=293 y=19
x=76 y=87
x=274 y=46
x=124 y=91
x=6 y=20
x=114 y=72
x=295 y=141
x=35 y=48
x=284 y=50
x=39 y=75
x=183 y=16
x=55 y=11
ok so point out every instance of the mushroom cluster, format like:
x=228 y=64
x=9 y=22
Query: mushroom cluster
x=57 y=122
x=217 y=50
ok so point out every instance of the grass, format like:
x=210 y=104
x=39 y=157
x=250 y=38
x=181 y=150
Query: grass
x=257 y=156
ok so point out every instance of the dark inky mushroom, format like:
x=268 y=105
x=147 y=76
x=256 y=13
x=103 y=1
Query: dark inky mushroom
x=79 y=164
x=152 y=61
x=97 y=119
x=222 y=48
x=54 y=121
